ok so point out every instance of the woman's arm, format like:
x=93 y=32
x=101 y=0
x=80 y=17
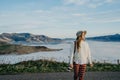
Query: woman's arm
x=89 y=55
x=71 y=55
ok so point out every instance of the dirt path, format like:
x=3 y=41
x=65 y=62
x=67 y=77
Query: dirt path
x=62 y=76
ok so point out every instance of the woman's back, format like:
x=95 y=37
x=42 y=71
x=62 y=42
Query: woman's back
x=81 y=56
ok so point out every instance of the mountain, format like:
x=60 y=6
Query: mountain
x=114 y=38
x=31 y=38
x=27 y=37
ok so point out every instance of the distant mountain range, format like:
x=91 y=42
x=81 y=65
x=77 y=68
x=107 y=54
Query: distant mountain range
x=114 y=38
x=27 y=37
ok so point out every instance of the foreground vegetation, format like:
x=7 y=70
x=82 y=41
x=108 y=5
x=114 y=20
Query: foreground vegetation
x=50 y=66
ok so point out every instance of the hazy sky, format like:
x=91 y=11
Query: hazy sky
x=60 y=18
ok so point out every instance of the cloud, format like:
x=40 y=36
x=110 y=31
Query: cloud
x=77 y=2
x=109 y=1
x=39 y=11
x=104 y=17
x=109 y=19
x=105 y=20
x=59 y=18
x=78 y=14
x=89 y=3
x=92 y=5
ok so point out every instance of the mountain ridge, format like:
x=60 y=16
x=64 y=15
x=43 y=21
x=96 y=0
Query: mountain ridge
x=108 y=38
x=27 y=37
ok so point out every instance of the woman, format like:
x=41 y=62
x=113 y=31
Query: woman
x=81 y=55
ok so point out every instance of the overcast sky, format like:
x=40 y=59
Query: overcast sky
x=60 y=18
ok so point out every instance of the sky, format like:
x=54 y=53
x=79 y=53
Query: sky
x=60 y=18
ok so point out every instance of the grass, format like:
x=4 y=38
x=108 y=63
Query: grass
x=104 y=67
x=33 y=66
x=50 y=66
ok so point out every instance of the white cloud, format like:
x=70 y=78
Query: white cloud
x=94 y=5
x=40 y=11
x=12 y=14
x=89 y=3
x=105 y=20
x=77 y=2
x=79 y=14
x=105 y=17
x=109 y=1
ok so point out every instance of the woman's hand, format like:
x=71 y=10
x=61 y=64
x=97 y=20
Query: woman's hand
x=91 y=65
x=71 y=65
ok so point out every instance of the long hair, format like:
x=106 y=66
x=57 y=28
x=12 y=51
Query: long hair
x=78 y=42
x=79 y=39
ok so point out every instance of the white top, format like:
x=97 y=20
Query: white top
x=83 y=56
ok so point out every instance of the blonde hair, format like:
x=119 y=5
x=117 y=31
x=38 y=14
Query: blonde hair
x=78 y=40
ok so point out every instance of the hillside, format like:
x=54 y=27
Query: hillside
x=6 y=48
x=114 y=38
x=27 y=37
